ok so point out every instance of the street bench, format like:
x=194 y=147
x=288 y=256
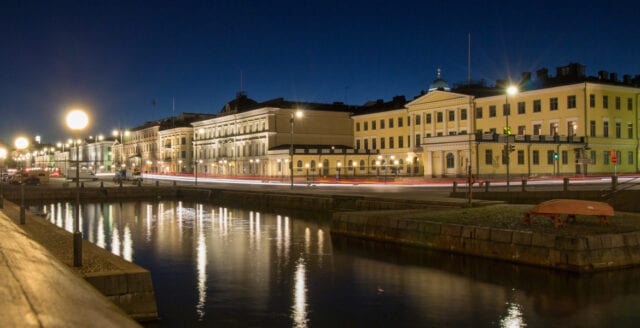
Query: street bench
x=556 y=208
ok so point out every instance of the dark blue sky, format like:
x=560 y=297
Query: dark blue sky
x=114 y=57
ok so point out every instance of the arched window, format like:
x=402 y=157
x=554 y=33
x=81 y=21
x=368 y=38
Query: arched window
x=325 y=167
x=362 y=165
x=450 y=161
x=299 y=165
x=313 y=165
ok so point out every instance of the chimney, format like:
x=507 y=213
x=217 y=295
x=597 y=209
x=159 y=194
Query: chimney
x=603 y=75
x=614 y=77
x=542 y=74
x=626 y=79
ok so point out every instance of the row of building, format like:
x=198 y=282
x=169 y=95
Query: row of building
x=565 y=124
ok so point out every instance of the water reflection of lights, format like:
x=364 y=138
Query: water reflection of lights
x=307 y=240
x=127 y=246
x=513 y=319
x=299 y=314
x=100 y=240
x=115 y=241
x=201 y=265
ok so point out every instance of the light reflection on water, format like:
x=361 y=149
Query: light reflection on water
x=222 y=266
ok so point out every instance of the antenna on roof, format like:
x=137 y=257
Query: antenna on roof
x=469 y=60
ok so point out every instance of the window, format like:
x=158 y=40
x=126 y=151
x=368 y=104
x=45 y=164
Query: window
x=357 y=126
x=374 y=143
x=605 y=129
x=492 y=111
x=520 y=157
x=550 y=158
x=506 y=109
x=183 y=141
x=488 y=157
x=400 y=141
x=391 y=143
x=537 y=128
x=381 y=124
x=571 y=101
x=390 y=123
x=592 y=128
x=565 y=157
x=373 y=125
x=299 y=165
x=521 y=108
x=418 y=119
x=450 y=161
x=605 y=159
x=605 y=101
x=537 y=106
x=366 y=126
x=629 y=103
x=408 y=120
x=366 y=144
x=382 y=143
x=357 y=143
x=463 y=114
x=536 y=157
x=428 y=118
x=553 y=103
x=521 y=130
x=571 y=128
x=418 y=143
x=618 y=130
x=593 y=157
x=479 y=112
x=400 y=123
x=553 y=129
x=439 y=117
x=592 y=100
x=630 y=130
x=362 y=165
x=452 y=116
x=630 y=158
x=618 y=105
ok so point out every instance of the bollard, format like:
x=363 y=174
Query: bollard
x=101 y=184
x=139 y=183
x=82 y=185
x=614 y=182
x=565 y=184
x=120 y=182
x=524 y=184
x=455 y=186
x=486 y=185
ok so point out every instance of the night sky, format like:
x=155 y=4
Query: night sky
x=115 y=57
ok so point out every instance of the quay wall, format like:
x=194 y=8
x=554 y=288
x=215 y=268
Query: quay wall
x=577 y=254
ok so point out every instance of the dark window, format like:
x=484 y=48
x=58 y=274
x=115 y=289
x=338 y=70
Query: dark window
x=553 y=103
x=391 y=143
x=418 y=143
x=492 y=111
x=183 y=141
x=382 y=143
x=373 y=125
x=618 y=130
x=390 y=123
x=400 y=142
x=521 y=108
x=418 y=119
x=592 y=101
x=571 y=101
x=463 y=114
x=630 y=158
x=537 y=106
x=550 y=157
x=506 y=109
x=450 y=161
x=630 y=130
x=366 y=144
x=592 y=128
x=479 y=112
x=488 y=157
x=381 y=124
x=357 y=143
x=357 y=126
x=374 y=143
x=536 y=129
x=452 y=116
x=630 y=104
x=366 y=126
x=605 y=159
x=618 y=105
x=400 y=123
x=565 y=157
x=605 y=101
x=408 y=120
x=520 y=157
x=439 y=117
x=536 y=157
x=605 y=129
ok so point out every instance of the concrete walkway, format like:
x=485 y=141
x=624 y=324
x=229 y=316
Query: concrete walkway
x=39 y=291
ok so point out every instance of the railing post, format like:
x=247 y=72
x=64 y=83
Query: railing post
x=565 y=184
x=524 y=184
x=455 y=186
x=614 y=182
x=486 y=185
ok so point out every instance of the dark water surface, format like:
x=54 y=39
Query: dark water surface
x=225 y=267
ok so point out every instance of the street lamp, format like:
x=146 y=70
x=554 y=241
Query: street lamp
x=120 y=133
x=354 y=168
x=298 y=114
x=3 y=156
x=195 y=153
x=511 y=91
x=339 y=164
x=21 y=143
x=77 y=120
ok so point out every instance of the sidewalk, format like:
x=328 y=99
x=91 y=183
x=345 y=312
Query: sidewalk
x=40 y=291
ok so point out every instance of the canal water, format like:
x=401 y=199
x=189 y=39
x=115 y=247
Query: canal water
x=230 y=267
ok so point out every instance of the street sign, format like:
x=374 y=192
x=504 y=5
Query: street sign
x=614 y=160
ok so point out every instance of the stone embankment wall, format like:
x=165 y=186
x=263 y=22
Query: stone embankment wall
x=579 y=254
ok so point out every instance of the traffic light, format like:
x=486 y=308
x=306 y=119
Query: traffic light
x=512 y=148
x=555 y=156
x=507 y=130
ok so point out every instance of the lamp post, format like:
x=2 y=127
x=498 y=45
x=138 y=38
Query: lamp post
x=195 y=154
x=339 y=164
x=77 y=120
x=298 y=114
x=120 y=133
x=511 y=91
x=307 y=167
x=21 y=143
x=3 y=156
x=355 y=165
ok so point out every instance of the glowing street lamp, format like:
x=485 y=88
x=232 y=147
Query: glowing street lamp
x=77 y=120
x=511 y=91
x=298 y=114
x=3 y=156
x=21 y=143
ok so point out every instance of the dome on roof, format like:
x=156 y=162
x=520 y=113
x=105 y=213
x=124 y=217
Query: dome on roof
x=240 y=103
x=439 y=83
